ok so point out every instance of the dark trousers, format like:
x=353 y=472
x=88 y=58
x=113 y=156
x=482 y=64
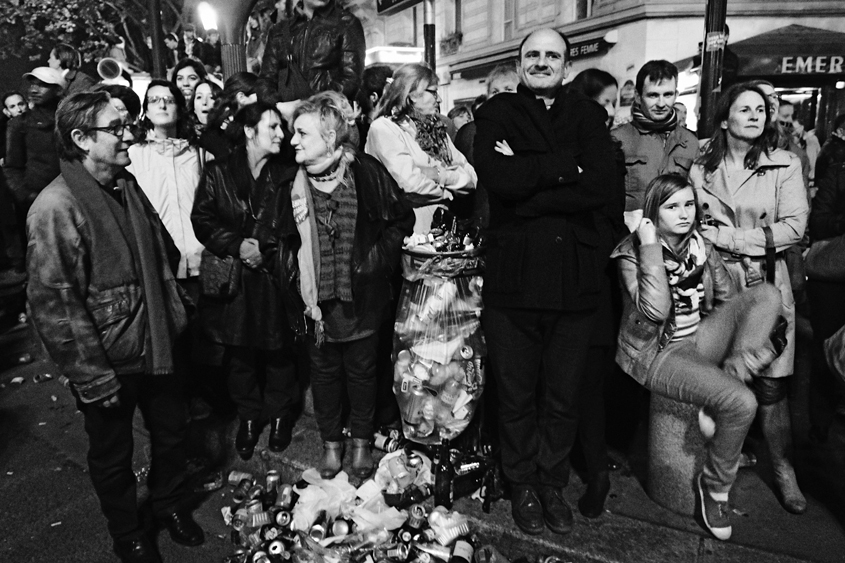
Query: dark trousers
x=591 y=411
x=329 y=363
x=110 y=446
x=537 y=358
x=280 y=392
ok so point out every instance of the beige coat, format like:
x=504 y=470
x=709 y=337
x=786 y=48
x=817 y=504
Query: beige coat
x=741 y=204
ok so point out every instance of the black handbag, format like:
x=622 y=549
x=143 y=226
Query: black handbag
x=778 y=334
x=219 y=277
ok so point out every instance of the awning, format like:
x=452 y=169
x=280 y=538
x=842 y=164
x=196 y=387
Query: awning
x=794 y=50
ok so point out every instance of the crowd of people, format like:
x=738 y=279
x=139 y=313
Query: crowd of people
x=240 y=228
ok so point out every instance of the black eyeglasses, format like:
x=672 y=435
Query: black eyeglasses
x=116 y=130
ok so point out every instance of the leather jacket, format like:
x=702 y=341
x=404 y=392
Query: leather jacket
x=648 y=313
x=385 y=218
x=329 y=50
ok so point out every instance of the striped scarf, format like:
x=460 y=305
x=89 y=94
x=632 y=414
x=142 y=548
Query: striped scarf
x=686 y=282
x=645 y=123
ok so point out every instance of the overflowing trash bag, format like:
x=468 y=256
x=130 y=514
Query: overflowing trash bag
x=438 y=346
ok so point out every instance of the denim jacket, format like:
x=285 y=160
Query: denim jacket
x=648 y=313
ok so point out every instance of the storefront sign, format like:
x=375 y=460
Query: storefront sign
x=588 y=49
x=390 y=7
x=820 y=64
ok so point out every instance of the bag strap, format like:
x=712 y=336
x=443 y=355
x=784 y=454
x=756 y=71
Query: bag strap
x=770 y=254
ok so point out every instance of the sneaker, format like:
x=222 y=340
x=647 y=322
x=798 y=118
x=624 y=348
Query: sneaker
x=526 y=510
x=706 y=424
x=714 y=513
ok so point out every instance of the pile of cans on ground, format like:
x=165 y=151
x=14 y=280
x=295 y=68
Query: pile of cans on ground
x=264 y=530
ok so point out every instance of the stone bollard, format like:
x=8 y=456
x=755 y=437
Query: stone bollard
x=676 y=453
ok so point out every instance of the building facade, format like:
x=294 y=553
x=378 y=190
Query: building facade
x=617 y=36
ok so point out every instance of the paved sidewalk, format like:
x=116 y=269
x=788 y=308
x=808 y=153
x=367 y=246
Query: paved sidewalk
x=51 y=513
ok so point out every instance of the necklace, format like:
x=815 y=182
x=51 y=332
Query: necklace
x=326 y=176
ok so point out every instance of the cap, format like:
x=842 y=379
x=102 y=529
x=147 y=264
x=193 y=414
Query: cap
x=47 y=75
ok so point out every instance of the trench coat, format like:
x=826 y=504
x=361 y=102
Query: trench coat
x=741 y=204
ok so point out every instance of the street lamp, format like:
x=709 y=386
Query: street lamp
x=208 y=16
x=231 y=15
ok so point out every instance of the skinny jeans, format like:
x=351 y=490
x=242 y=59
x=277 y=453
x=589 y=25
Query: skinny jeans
x=692 y=371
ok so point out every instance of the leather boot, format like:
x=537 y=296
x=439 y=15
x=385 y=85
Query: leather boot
x=777 y=430
x=332 y=460
x=591 y=503
x=362 y=458
x=246 y=438
x=280 y=435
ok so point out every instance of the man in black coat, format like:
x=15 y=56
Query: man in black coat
x=547 y=161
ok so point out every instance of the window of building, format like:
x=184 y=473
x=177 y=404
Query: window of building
x=508 y=20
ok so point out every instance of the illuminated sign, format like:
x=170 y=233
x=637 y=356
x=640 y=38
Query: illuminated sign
x=819 y=64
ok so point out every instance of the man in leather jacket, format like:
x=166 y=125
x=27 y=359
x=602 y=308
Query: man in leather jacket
x=326 y=44
x=104 y=301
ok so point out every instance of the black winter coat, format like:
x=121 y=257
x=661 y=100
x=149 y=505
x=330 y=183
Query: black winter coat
x=329 y=50
x=544 y=250
x=832 y=153
x=827 y=217
x=222 y=220
x=385 y=218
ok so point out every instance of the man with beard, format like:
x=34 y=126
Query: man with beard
x=547 y=162
x=655 y=142
x=31 y=159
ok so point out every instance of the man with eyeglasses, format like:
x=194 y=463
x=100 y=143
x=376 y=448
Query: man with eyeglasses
x=104 y=301
x=31 y=159
x=547 y=161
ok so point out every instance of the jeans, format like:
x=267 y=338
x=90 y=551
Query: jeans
x=280 y=393
x=110 y=446
x=537 y=358
x=329 y=363
x=692 y=371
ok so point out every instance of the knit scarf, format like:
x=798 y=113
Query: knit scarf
x=685 y=273
x=644 y=123
x=432 y=137
x=308 y=255
x=680 y=268
x=142 y=240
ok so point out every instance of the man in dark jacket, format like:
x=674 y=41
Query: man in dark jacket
x=326 y=45
x=655 y=142
x=31 y=158
x=104 y=301
x=547 y=161
x=833 y=150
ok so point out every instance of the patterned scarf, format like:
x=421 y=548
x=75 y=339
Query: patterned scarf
x=432 y=137
x=685 y=275
x=644 y=123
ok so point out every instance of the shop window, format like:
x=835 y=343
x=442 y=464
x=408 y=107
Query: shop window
x=583 y=9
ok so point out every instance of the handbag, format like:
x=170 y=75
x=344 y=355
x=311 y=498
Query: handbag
x=778 y=336
x=292 y=84
x=219 y=277
x=825 y=260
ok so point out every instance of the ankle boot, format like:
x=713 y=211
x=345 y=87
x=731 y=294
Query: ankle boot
x=247 y=437
x=362 y=458
x=332 y=460
x=591 y=503
x=775 y=423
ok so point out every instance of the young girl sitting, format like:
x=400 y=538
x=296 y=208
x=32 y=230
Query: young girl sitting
x=687 y=335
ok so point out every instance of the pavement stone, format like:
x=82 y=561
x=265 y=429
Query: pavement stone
x=43 y=481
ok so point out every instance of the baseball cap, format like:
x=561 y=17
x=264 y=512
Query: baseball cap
x=47 y=75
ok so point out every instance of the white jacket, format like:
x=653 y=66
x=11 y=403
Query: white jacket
x=168 y=171
x=396 y=147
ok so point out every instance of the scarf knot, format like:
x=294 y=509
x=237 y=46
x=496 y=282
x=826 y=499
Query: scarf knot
x=644 y=123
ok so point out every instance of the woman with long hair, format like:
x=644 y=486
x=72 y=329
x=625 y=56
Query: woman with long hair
x=754 y=205
x=600 y=86
x=239 y=91
x=686 y=334
x=348 y=219
x=411 y=141
x=236 y=216
x=186 y=75
x=205 y=96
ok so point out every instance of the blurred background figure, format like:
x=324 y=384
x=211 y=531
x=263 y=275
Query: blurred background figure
x=67 y=60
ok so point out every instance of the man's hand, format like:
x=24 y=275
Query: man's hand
x=504 y=148
x=647 y=232
x=112 y=401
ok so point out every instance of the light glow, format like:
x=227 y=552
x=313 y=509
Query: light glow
x=208 y=16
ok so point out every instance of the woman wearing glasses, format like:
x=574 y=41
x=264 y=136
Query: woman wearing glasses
x=236 y=216
x=167 y=165
x=411 y=141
